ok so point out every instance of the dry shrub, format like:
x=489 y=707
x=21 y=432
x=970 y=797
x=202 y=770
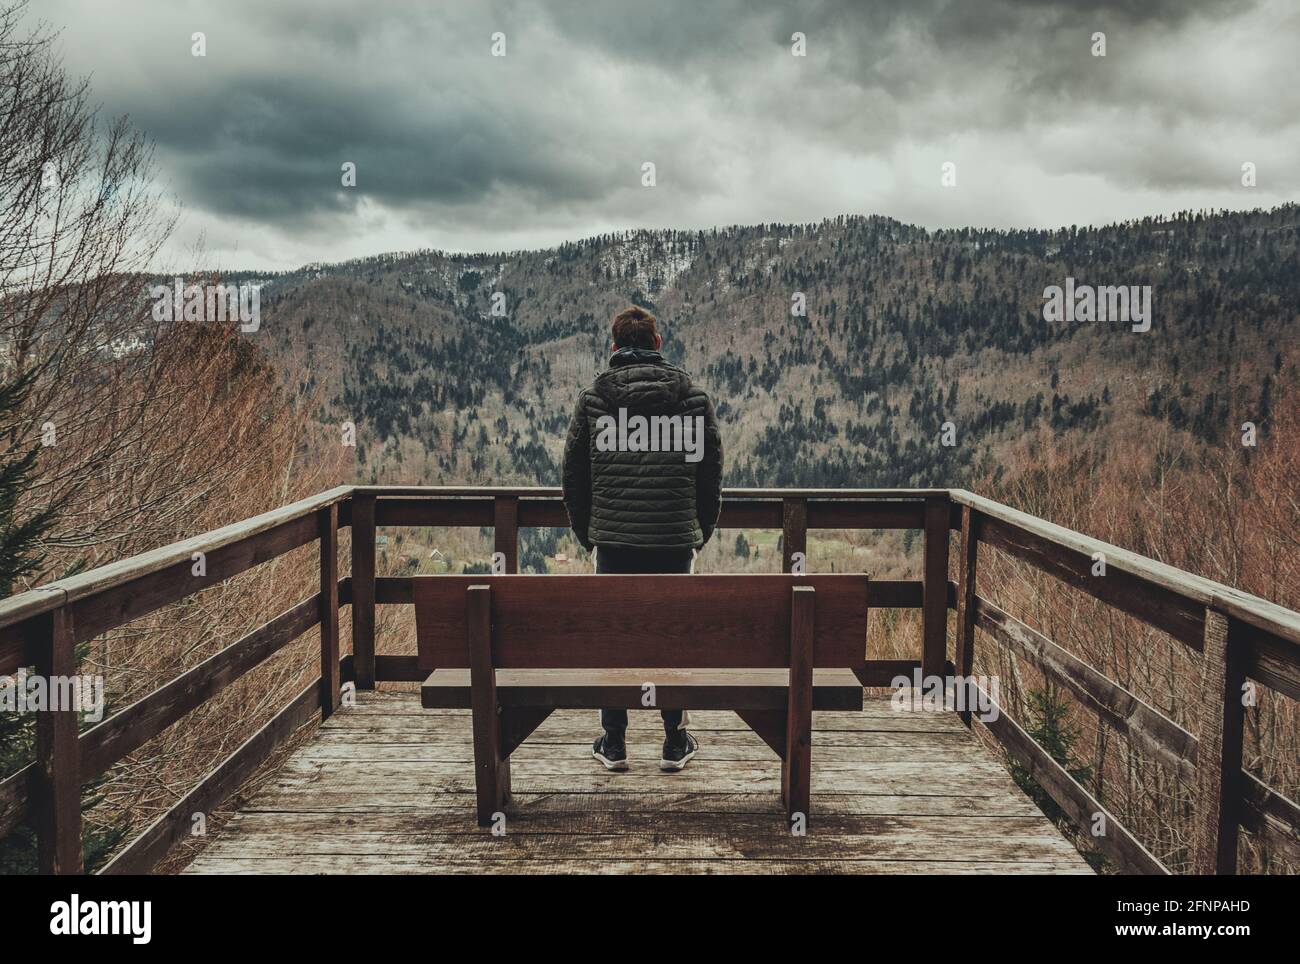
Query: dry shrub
x=1232 y=515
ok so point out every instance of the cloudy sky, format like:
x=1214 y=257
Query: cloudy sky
x=458 y=149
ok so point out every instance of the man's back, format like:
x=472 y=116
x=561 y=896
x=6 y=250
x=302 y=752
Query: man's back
x=643 y=459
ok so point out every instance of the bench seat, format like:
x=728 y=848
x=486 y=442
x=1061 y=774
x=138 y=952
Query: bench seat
x=695 y=689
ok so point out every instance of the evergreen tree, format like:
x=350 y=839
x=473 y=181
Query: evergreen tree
x=19 y=539
x=1048 y=713
x=742 y=546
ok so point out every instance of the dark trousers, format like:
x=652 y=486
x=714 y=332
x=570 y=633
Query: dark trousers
x=619 y=561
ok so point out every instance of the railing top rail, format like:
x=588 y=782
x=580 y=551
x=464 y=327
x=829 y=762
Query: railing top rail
x=1252 y=610
x=553 y=492
x=52 y=595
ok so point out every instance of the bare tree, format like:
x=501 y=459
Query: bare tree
x=80 y=220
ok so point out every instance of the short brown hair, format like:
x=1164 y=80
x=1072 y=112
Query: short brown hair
x=634 y=328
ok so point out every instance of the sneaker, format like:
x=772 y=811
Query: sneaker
x=677 y=755
x=612 y=755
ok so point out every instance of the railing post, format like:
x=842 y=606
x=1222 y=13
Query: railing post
x=363 y=590
x=505 y=530
x=57 y=806
x=1218 y=756
x=934 y=600
x=964 y=646
x=794 y=533
x=329 y=609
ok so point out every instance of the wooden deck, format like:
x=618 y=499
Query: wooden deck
x=386 y=787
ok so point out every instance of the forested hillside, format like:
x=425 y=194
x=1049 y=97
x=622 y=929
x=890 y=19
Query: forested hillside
x=905 y=329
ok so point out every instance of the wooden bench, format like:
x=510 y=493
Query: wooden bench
x=773 y=648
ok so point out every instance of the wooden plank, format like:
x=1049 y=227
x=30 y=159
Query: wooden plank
x=866 y=515
x=97 y=612
x=1147 y=728
x=750 y=514
x=964 y=645
x=928 y=830
x=491 y=768
x=701 y=621
x=1192 y=593
x=433 y=512
x=847 y=864
x=58 y=765
x=796 y=763
x=895 y=594
x=1272 y=817
x=456 y=741
x=450 y=806
x=330 y=682
x=1269 y=659
x=394 y=590
x=742 y=508
x=934 y=629
x=794 y=534
x=152 y=845
x=1079 y=805
x=578 y=773
x=884 y=672
x=505 y=531
x=1218 y=765
x=720 y=747
x=16 y=791
x=124 y=732
x=674 y=689
x=398 y=669
x=881 y=593
x=554 y=492
x=878 y=715
x=1150 y=602
x=510 y=848
x=363 y=590
x=543 y=513
x=101 y=579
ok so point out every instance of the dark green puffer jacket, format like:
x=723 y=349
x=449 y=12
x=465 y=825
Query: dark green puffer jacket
x=641 y=498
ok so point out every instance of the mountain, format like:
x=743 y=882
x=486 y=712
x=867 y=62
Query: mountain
x=906 y=329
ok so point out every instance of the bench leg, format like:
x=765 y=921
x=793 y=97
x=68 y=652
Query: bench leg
x=491 y=767
x=796 y=766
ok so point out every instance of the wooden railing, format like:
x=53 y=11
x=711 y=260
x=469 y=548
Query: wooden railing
x=1239 y=636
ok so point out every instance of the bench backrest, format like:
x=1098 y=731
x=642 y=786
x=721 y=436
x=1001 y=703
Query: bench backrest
x=655 y=622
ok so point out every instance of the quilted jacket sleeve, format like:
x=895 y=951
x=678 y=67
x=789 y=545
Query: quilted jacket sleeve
x=577 y=474
x=708 y=475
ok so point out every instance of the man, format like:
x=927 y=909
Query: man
x=643 y=486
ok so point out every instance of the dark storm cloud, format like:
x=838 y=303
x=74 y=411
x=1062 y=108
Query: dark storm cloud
x=461 y=147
